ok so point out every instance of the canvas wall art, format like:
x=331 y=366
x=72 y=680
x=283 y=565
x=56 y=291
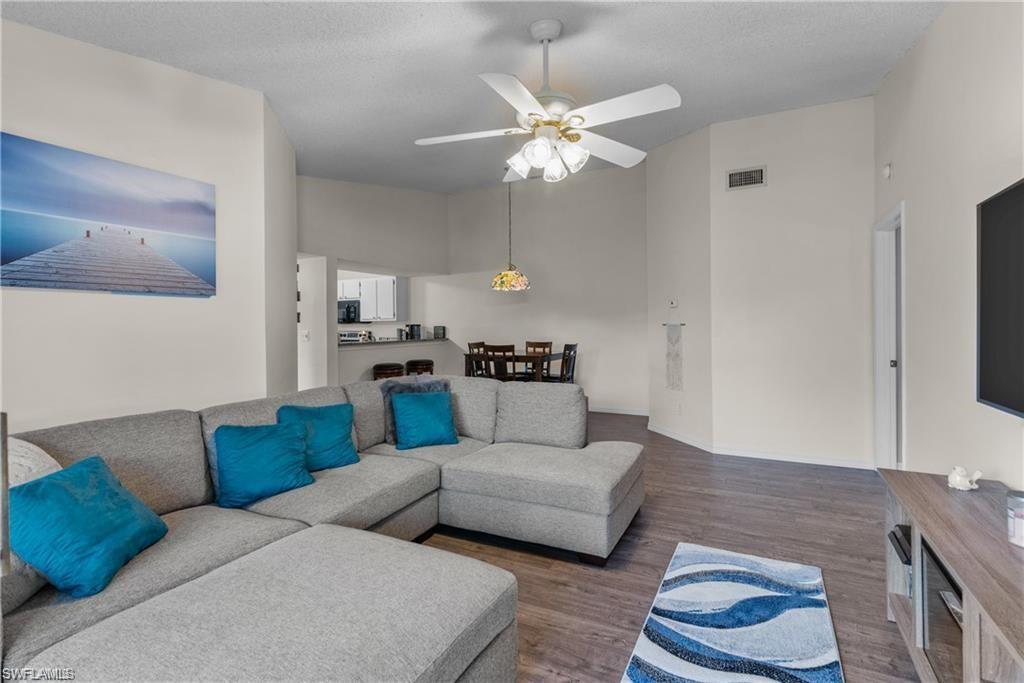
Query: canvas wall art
x=71 y=220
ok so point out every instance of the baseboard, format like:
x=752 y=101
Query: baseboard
x=617 y=411
x=679 y=436
x=781 y=457
x=804 y=459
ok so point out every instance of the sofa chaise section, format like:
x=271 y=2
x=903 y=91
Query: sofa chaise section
x=325 y=603
x=547 y=495
x=541 y=482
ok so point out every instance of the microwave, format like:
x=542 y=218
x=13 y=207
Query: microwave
x=348 y=311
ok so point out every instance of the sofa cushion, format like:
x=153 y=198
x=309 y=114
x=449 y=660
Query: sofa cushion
x=198 y=540
x=438 y=455
x=542 y=413
x=157 y=456
x=323 y=604
x=260 y=411
x=369 y=406
x=592 y=479
x=475 y=406
x=358 y=495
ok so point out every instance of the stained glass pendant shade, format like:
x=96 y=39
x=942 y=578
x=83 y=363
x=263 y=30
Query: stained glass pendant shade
x=511 y=279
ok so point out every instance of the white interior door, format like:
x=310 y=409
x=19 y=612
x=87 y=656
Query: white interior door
x=888 y=340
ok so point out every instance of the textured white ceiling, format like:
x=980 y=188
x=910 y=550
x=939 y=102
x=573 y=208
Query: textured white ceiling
x=355 y=83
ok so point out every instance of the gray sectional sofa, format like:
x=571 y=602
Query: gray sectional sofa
x=296 y=586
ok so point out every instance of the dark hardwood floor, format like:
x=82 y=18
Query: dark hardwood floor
x=579 y=622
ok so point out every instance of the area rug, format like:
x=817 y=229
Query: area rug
x=724 y=616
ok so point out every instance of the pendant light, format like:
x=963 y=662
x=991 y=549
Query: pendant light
x=510 y=279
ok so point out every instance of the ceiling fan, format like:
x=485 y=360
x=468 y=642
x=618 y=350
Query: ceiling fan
x=562 y=141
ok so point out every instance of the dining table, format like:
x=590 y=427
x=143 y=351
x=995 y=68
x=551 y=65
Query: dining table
x=534 y=359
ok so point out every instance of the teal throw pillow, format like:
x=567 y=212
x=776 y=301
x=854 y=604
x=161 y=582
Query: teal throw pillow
x=423 y=420
x=258 y=462
x=328 y=434
x=80 y=525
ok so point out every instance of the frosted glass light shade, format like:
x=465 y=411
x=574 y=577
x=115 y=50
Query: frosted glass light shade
x=555 y=170
x=519 y=164
x=538 y=152
x=575 y=156
x=511 y=280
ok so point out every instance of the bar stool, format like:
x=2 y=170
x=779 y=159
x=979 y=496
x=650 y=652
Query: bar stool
x=419 y=366
x=383 y=370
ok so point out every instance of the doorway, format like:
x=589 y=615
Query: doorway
x=888 y=362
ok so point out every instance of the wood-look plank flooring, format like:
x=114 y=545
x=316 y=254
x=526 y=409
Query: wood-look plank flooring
x=579 y=622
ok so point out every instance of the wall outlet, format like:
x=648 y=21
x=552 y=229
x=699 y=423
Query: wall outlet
x=673 y=302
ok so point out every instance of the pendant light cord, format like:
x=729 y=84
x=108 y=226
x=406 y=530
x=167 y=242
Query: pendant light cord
x=509 y=224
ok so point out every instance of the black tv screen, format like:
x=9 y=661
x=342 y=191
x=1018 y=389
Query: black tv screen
x=1001 y=300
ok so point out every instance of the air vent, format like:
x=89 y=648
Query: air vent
x=746 y=177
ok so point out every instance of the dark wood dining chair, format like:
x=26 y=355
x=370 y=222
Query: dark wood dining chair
x=478 y=365
x=567 y=371
x=501 y=361
x=529 y=373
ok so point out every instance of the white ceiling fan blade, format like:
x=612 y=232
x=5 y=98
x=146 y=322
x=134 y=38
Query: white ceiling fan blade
x=609 y=150
x=639 y=103
x=511 y=177
x=516 y=94
x=472 y=136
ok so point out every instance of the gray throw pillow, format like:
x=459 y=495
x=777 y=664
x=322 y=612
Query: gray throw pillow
x=394 y=386
x=27 y=462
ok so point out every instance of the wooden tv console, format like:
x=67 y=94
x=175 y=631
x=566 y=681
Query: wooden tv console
x=966 y=530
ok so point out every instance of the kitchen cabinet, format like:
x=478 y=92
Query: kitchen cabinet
x=348 y=289
x=386 y=298
x=368 y=301
x=382 y=299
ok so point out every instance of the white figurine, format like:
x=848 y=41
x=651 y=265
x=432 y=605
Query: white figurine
x=959 y=480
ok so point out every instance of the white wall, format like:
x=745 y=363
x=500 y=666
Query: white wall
x=773 y=284
x=679 y=268
x=403 y=231
x=281 y=224
x=79 y=355
x=581 y=243
x=949 y=118
x=791 y=285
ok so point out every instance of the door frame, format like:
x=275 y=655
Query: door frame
x=888 y=315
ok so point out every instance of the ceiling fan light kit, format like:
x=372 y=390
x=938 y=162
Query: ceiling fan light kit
x=561 y=140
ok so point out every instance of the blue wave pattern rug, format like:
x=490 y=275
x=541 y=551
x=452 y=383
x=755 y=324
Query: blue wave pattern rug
x=723 y=616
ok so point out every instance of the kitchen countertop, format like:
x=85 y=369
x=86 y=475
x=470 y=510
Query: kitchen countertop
x=378 y=342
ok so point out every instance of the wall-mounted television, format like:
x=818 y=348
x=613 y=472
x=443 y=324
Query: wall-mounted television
x=1001 y=300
